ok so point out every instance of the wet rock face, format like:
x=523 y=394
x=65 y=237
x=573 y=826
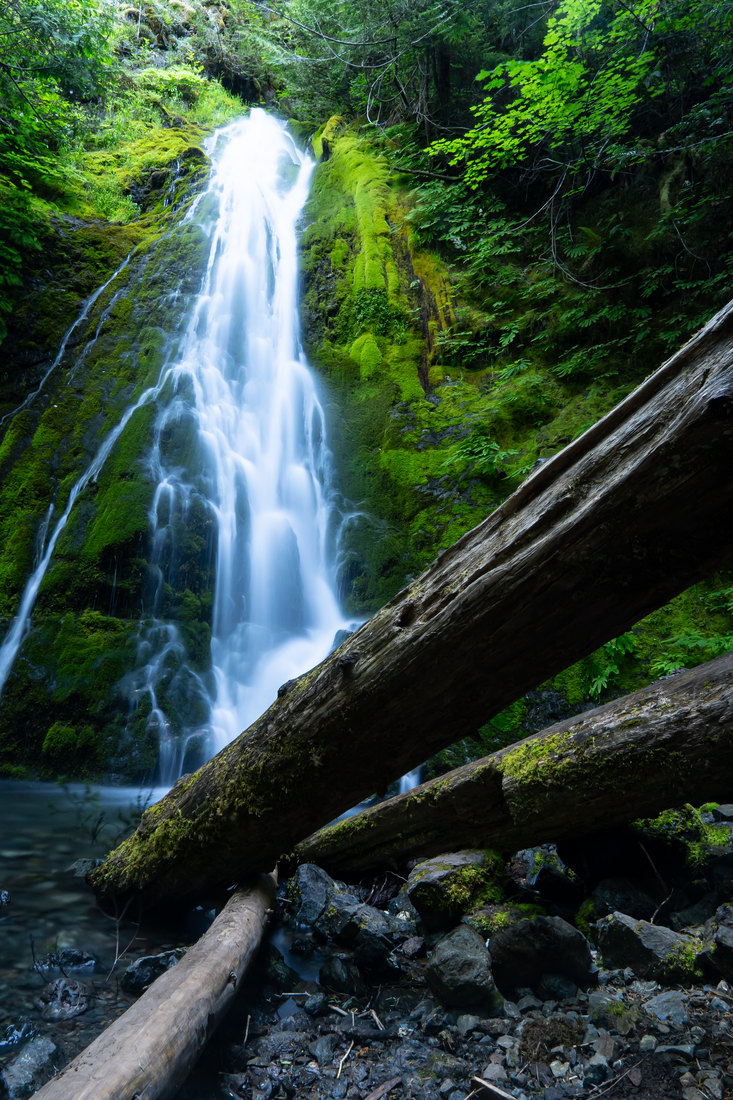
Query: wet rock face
x=526 y=951
x=444 y=888
x=459 y=969
x=650 y=950
x=25 y=1074
x=143 y=971
x=64 y=998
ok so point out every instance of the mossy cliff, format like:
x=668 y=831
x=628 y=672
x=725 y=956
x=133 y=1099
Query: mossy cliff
x=69 y=705
x=427 y=440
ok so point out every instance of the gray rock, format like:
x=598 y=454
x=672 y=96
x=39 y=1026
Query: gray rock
x=68 y=960
x=717 y=952
x=695 y=915
x=651 y=950
x=25 y=1073
x=622 y=895
x=64 y=998
x=340 y=973
x=316 y=1004
x=274 y=970
x=144 y=971
x=322 y=1049
x=467 y=1023
x=16 y=1034
x=311 y=888
x=459 y=969
x=670 y=1006
x=336 y=914
x=525 y=951
x=442 y=889
x=556 y=987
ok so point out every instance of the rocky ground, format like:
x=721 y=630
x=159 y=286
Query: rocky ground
x=468 y=976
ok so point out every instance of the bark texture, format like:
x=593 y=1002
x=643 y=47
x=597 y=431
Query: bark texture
x=624 y=518
x=148 y=1051
x=667 y=744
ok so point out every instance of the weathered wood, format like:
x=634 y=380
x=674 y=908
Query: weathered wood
x=668 y=744
x=148 y=1051
x=625 y=517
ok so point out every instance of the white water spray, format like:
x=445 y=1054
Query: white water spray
x=264 y=472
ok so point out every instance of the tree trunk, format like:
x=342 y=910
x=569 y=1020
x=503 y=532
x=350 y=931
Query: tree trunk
x=625 y=517
x=667 y=744
x=151 y=1048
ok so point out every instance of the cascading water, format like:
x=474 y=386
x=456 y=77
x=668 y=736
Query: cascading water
x=262 y=468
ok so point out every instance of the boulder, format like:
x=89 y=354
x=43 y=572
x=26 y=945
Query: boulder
x=526 y=951
x=623 y=895
x=695 y=915
x=442 y=889
x=341 y=974
x=144 y=971
x=459 y=969
x=336 y=914
x=650 y=950
x=27 y=1072
x=273 y=969
x=717 y=953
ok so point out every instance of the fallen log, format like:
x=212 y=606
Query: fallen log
x=667 y=744
x=624 y=518
x=148 y=1051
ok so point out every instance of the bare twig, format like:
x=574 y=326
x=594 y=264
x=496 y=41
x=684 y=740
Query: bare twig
x=341 y=1063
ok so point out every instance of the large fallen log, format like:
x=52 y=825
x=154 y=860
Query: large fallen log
x=149 y=1050
x=625 y=517
x=668 y=744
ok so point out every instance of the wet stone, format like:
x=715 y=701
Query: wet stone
x=26 y=1073
x=144 y=971
x=64 y=998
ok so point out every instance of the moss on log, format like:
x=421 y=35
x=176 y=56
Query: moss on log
x=629 y=514
x=667 y=744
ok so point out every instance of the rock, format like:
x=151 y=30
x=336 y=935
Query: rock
x=340 y=973
x=17 y=1033
x=459 y=969
x=717 y=951
x=527 y=1002
x=651 y=950
x=311 y=888
x=556 y=987
x=696 y=914
x=144 y=971
x=322 y=1049
x=25 y=1073
x=316 y=1004
x=338 y=915
x=442 y=889
x=273 y=969
x=522 y=953
x=68 y=960
x=547 y=873
x=648 y=1044
x=467 y=1023
x=723 y=812
x=64 y=998
x=670 y=1006
x=494 y=1072
x=413 y=947
x=622 y=895
x=4 y=898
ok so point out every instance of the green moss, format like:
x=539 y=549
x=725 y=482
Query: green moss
x=585 y=916
x=684 y=826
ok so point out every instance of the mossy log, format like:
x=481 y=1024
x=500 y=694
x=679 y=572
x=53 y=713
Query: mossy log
x=609 y=529
x=150 y=1049
x=667 y=744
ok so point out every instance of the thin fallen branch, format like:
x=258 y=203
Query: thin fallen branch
x=148 y=1051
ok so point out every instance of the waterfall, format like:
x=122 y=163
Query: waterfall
x=262 y=466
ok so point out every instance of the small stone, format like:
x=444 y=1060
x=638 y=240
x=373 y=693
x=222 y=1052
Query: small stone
x=413 y=947
x=524 y=1004
x=494 y=1072
x=671 y=1006
x=64 y=998
x=467 y=1023
x=559 y=1069
x=21 y=1077
x=506 y=1042
x=316 y=1004
x=687 y=1050
x=340 y=973
x=648 y=1044
x=144 y=971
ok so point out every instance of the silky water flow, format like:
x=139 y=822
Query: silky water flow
x=263 y=462
x=257 y=473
